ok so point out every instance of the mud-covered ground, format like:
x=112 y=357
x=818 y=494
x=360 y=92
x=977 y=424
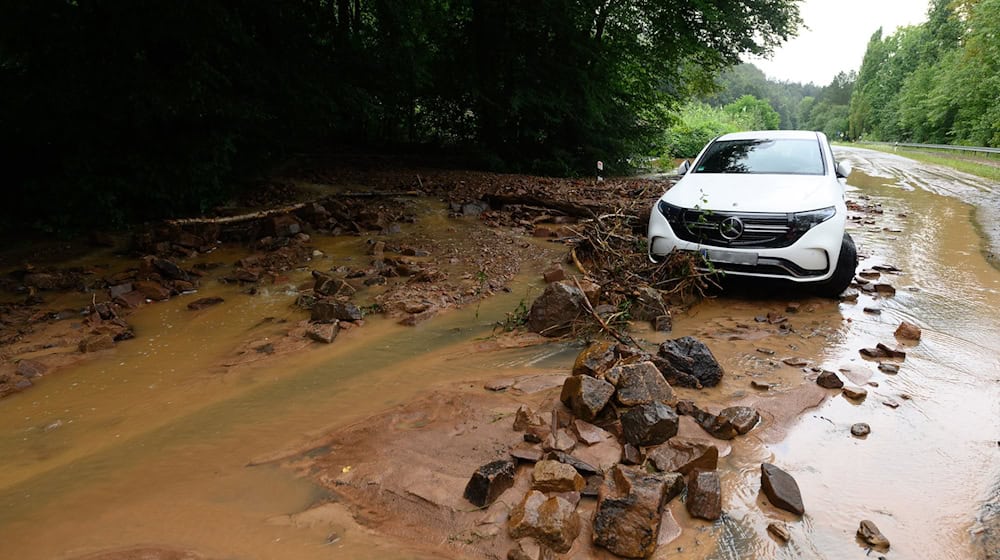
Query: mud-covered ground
x=412 y=246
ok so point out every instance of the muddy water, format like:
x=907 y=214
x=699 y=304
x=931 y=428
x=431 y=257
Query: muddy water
x=151 y=445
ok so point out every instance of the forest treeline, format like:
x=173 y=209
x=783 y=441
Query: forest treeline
x=936 y=83
x=120 y=110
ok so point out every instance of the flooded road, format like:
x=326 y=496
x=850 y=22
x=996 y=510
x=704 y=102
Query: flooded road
x=150 y=445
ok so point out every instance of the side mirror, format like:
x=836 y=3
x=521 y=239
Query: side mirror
x=842 y=170
x=683 y=168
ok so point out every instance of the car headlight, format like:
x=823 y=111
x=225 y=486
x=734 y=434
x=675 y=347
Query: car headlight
x=805 y=221
x=670 y=212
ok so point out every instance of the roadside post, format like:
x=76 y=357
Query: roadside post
x=600 y=171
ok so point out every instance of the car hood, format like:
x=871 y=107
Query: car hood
x=736 y=192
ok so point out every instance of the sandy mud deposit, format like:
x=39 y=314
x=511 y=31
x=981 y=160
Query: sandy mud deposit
x=427 y=442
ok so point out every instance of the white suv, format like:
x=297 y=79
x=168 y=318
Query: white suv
x=766 y=204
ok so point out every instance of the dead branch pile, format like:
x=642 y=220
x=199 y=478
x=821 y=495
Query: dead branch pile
x=612 y=250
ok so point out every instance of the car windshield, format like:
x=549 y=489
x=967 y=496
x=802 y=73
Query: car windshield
x=783 y=155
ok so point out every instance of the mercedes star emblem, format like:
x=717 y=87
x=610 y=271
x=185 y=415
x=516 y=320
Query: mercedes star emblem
x=731 y=228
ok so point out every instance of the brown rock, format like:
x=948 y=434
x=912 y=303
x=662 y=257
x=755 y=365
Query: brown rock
x=632 y=455
x=589 y=433
x=523 y=418
x=326 y=311
x=640 y=383
x=595 y=360
x=553 y=476
x=169 y=269
x=860 y=429
x=649 y=424
x=590 y=289
x=908 y=331
x=717 y=426
x=704 y=498
x=855 y=393
x=204 y=302
x=868 y=532
x=743 y=418
x=691 y=356
x=96 y=343
x=284 y=225
x=586 y=396
x=883 y=351
x=526 y=549
x=329 y=285
x=779 y=532
x=527 y=452
x=649 y=304
x=489 y=481
x=323 y=332
x=829 y=380
x=888 y=368
x=885 y=290
x=553 y=312
x=684 y=456
x=30 y=369
x=582 y=467
x=554 y=274
x=152 y=290
x=781 y=489
x=131 y=300
x=553 y=521
x=119 y=290
x=630 y=509
x=560 y=440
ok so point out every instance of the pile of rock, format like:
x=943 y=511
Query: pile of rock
x=612 y=437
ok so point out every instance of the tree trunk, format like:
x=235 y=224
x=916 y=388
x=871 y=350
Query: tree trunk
x=344 y=16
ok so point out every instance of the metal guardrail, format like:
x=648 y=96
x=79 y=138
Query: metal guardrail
x=975 y=149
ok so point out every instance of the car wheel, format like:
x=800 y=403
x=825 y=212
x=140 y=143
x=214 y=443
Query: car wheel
x=847 y=263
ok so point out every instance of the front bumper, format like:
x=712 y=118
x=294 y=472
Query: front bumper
x=812 y=258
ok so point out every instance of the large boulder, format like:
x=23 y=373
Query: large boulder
x=586 y=396
x=630 y=508
x=489 y=481
x=553 y=312
x=640 y=383
x=552 y=522
x=691 y=356
x=704 y=498
x=781 y=489
x=649 y=424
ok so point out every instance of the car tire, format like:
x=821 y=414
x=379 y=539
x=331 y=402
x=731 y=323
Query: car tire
x=847 y=263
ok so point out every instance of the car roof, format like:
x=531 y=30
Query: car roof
x=772 y=135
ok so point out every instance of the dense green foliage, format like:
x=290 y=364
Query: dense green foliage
x=120 y=110
x=799 y=106
x=936 y=82
x=745 y=99
x=698 y=122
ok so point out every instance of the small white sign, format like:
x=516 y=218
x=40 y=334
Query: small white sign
x=600 y=166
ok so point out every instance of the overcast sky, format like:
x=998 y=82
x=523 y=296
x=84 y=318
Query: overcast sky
x=836 y=36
